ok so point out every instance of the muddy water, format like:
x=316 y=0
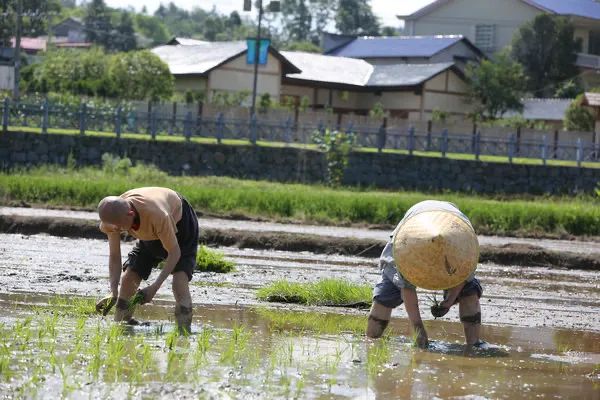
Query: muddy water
x=557 y=245
x=246 y=353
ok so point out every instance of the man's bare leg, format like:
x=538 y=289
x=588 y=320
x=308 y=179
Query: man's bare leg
x=379 y=318
x=183 y=302
x=470 y=316
x=130 y=282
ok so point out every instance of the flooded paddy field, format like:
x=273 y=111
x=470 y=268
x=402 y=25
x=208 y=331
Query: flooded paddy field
x=543 y=327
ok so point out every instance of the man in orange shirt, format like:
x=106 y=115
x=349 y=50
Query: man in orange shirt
x=167 y=229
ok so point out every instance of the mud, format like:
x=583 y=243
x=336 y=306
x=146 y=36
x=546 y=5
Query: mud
x=523 y=254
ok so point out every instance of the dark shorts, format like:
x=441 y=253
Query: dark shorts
x=147 y=254
x=389 y=295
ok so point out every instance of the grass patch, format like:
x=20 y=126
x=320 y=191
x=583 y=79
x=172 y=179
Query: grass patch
x=69 y=306
x=219 y=196
x=327 y=292
x=330 y=324
x=209 y=260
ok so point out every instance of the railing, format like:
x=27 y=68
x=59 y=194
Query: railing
x=400 y=137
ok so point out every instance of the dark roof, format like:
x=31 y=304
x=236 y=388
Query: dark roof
x=579 y=8
x=399 y=46
x=201 y=58
x=405 y=74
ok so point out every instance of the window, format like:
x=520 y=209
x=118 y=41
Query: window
x=594 y=45
x=485 y=37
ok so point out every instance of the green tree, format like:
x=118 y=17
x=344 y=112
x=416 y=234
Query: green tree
x=297 y=20
x=547 y=49
x=322 y=12
x=125 y=34
x=152 y=28
x=140 y=75
x=579 y=118
x=35 y=17
x=308 y=47
x=355 y=17
x=97 y=23
x=569 y=89
x=389 y=31
x=495 y=86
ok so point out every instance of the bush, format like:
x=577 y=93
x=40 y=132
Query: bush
x=208 y=260
x=579 y=118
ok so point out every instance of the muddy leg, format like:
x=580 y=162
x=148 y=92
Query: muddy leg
x=130 y=282
x=183 y=300
x=379 y=318
x=470 y=316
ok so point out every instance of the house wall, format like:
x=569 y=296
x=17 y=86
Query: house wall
x=7 y=77
x=237 y=75
x=461 y=17
x=584 y=35
x=183 y=83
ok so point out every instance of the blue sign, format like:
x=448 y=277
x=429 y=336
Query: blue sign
x=263 y=51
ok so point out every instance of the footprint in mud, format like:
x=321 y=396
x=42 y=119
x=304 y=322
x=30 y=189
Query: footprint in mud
x=481 y=351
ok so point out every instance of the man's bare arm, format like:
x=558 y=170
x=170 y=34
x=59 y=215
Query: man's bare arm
x=114 y=262
x=411 y=303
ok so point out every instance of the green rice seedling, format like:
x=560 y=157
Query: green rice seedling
x=159 y=330
x=209 y=260
x=72 y=306
x=378 y=353
x=327 y=292
x=5 y=371
x=313 y=321
x=171 y=339
x=95 y=353
x=136 y=300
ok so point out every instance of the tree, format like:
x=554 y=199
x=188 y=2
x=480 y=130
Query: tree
x=97 y=24
x=323 y=12
x=152 y=28
x=297 y=20
x=35 y=17
x=579 y=118
x=140 y=75
x=495 y=86
x=547 y=49
x=307 y=47
x=125 y=34
x=355 y=17
x=389 y=31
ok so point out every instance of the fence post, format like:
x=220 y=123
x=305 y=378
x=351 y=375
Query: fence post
x=287 y=136
x=544 y=150
x=5 y=115
x=381 y=138
x=444 y=143
x=411 y=140
x=477 y=138
x=512 y=144
x=118 y=122
x=220 y=127
x=429 y=128
x=579 y=152
x=153 y=127
x=321 y=128
x=82 y=115
x=187 y=126
x=253 y=128
x=45 y=116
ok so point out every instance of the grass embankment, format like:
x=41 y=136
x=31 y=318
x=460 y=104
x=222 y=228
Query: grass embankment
x=219 y=196
x=327 y=292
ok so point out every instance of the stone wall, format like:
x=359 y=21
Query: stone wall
x=392 y=171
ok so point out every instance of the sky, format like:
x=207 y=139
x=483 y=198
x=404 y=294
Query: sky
x=386 y=10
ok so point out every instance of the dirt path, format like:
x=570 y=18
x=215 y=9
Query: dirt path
x=575 y=246
x=527 y=297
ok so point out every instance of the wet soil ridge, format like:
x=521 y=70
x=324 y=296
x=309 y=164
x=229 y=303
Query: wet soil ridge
x=509 y=254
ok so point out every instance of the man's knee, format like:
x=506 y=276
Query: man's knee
x=379 y=318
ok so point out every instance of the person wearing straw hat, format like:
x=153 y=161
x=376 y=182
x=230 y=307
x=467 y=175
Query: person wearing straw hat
x=433 y=247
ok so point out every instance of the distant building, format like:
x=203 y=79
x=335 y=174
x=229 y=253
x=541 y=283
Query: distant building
x=491 y=24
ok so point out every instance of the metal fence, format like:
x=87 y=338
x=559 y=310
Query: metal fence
x=403 y=136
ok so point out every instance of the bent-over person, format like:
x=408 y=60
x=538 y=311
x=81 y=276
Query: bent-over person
x=167 y=230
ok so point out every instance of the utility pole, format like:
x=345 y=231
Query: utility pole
x=256 y=51
x=17 y=56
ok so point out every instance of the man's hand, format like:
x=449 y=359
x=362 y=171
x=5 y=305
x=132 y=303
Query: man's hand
x=421 y=339
x=104 y=305
x=439 y=310
x=148 y=292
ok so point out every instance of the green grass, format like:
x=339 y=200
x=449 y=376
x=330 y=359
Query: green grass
x=208 y=260
x=328 y=292
x=317 y=204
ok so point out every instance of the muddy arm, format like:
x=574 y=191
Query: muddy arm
x=411 y=303
x=114 y=262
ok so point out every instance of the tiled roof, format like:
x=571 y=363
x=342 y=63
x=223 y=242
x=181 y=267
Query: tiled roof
x=396 y=46
x=592 y=99
x=198 y=59
x=405 y=74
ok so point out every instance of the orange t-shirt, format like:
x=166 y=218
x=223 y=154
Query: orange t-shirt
x=159 y=210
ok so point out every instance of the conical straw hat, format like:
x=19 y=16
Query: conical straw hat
x=436 y=250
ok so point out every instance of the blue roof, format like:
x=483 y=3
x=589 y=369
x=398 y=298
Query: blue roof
x=579 y=8
x=396 y=46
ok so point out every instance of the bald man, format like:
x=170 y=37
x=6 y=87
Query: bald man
x=167 y=229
